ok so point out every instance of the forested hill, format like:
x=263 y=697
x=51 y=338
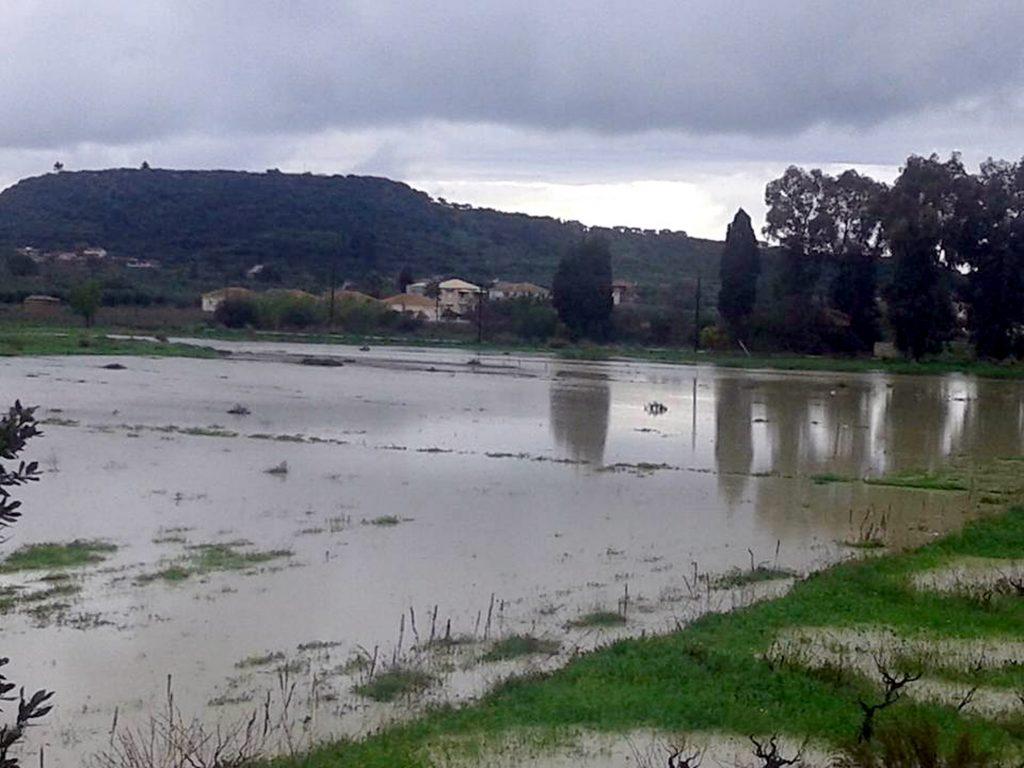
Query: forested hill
x=223 y=221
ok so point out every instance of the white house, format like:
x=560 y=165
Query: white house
x=214 y=299
x=457 y=297
x=503 y=290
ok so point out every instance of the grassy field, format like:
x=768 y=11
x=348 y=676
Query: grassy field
x=743 y=673
x=30 y=339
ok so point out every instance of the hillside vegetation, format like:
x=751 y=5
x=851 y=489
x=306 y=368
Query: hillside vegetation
x=215 y=224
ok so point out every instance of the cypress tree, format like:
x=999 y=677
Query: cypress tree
x=739 y=269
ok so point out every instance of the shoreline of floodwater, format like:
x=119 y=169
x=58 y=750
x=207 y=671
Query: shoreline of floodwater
x=21 y=340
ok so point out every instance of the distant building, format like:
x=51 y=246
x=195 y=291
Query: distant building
x=418 y=288
x=502 y=290
x=94 y=253
x=142 y=264
x=413 y=304
x=623 y=292
x=213 y=299
x=252 y=271
x=41 y=306
x=457 y=297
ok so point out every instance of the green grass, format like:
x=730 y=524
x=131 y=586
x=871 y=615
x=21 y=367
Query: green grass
x=928 y=481
x=36 y=342
x=395 y=683
x=598 y=619
x=208 y=558
x=515 y=646
x=716 y=674
x=75 y=554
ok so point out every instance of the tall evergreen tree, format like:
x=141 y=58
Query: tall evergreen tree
x=853 y=202
x=922 y=231
x=582 y=289
x=739 y=269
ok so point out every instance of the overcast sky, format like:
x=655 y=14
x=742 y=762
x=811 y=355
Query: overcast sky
x=655 y=113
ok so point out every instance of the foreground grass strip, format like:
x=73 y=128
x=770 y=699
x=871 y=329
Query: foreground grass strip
x=75 y=554
x=716 y=674
x=75 y=342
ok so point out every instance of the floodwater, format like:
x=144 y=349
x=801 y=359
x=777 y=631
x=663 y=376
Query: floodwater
x=523 y=492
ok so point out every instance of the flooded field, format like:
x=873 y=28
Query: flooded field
x=319 y=516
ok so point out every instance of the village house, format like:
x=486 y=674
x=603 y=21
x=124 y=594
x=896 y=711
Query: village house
x=419 y=288
x=623 y=292
x=413 y=304
x=142 y=264
x=38 y=306
x=503 y=290
x=213 y=299
x=457 y=297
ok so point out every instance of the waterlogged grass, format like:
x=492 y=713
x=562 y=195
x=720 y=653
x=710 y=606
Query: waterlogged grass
x=718 y=674
x=395 y=683
x=927 y=481
x=741 y=577
x=828 y=478
x=208 y=558
x=260 y=660
x=74 y=554
x=598 y=620
x=516 y=646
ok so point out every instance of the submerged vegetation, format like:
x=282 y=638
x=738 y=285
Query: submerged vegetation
x=203 y=559
x=74 y=554
x=515 y=646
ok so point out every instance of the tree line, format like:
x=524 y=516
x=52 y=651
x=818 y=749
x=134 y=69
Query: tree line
x=938 y=252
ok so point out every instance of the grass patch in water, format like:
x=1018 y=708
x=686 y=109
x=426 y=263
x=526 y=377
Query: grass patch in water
x=514 y=646
x=74 y=554
x=741 y=577
x=384 y=521
x=598 y=619
x=927 y=481
x=827 y=478
x=208 y=558
x=394 y=683
x=259 y=660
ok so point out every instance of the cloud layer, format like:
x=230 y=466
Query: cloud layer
x=509 y=92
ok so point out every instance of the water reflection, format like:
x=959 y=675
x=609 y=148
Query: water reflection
x=734 y=445
x=579 y=407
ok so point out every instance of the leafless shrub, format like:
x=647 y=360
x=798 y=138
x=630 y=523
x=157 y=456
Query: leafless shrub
x=770 y=756
x=170 y=740
x=893 y=685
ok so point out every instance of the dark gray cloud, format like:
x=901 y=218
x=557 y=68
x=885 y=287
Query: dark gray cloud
x=115 y=73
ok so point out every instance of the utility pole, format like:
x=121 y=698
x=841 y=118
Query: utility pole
x=480 y=317
x=334 y=279
x=696 y=319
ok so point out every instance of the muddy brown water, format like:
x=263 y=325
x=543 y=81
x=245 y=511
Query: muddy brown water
x=549 y=485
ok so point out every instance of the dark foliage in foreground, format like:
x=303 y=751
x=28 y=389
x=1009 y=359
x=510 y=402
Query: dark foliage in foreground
x=16 y=429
